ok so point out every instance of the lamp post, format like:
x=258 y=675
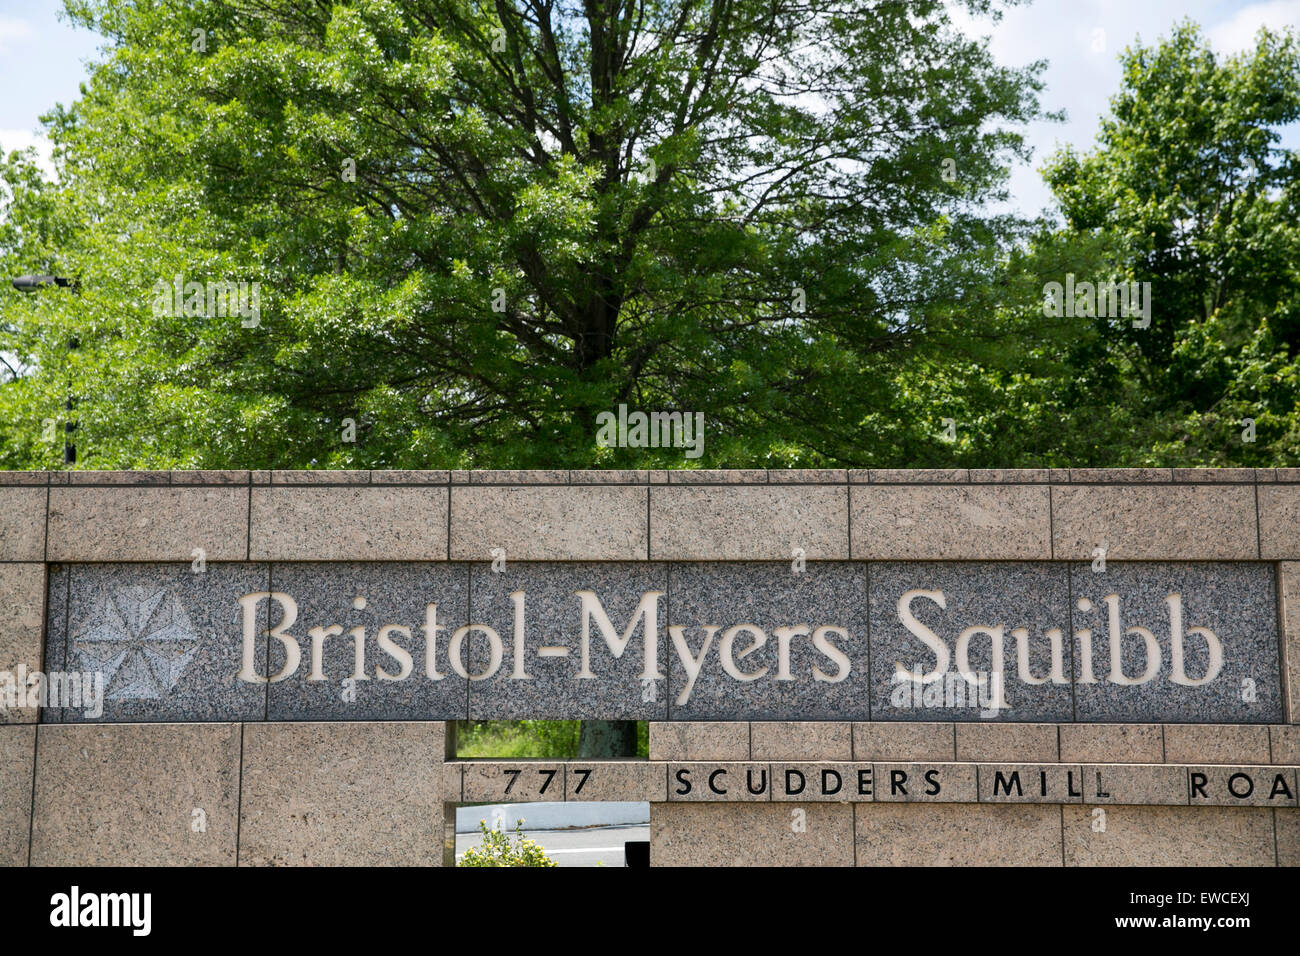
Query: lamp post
x=35 y=284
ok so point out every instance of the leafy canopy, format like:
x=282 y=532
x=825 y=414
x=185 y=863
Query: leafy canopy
x=477 y=225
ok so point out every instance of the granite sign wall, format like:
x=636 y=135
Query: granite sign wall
x=1044 y=667
x=1011 y=641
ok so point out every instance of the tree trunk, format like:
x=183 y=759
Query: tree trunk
x=607 y=738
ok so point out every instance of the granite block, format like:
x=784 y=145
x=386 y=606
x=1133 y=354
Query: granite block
x=534 y=476
x=596 y=476
x=945 y=523
x=751 y=834
x=1216 y=743
x=512 y=781
x=957 y=834
x=344 y=794
x=1287 y=824
x=1175 y=603
x=976 y=599
x=167 y=641
x=22 y=619
x=1168 y=836
x=1241 y=786
x=396 y=606
x=573 y=523
x=1157 y=523
x=409 y=477
x=801 y=740
x=451 y=780
x=719 y=781
x=904 y=741
x=1284 y=744
x=119 y=477
x=1279 y=519
x=717 y=476
x=148 y=524
x=748 y=523
x=626 y=780
x=1007 y=743
x=1030 y=783
x=927 y=782
x=54 y=653
x=17 y=756
x=24 y=478
x=1121 y=475
x=692 y=740
x=205 y=477
x=22 y=523
x=1112 y=743
x=1289 y=585
x=540 y=675
x=824 y=781
x=945 y=476
x=1219 y=475
x=1012 y=475
x=1136 y=783
x=807 y=476
x=136 y=795
x=364 y=523
x=770 y=644
x=322 y=476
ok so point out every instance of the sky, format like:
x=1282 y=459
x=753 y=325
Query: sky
x=1081 y=40
x=43 y=61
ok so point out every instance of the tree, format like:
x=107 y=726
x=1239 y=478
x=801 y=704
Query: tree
x=1191 y=194
x=476 y=226
x=1188 y=191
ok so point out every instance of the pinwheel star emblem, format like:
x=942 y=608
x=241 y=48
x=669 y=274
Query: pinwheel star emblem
x=140 y=638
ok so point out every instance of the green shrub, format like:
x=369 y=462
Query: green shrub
x=497 y=850
x=522 y=739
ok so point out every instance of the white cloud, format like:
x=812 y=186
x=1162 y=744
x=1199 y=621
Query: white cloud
x=1238 y=33
x=11 y=139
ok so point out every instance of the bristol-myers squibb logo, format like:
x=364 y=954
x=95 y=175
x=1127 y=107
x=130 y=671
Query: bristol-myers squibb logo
x=140 y=638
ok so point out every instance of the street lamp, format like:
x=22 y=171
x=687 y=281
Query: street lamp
x=35 y=284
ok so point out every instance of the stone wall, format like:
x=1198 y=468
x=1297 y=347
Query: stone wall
x=275 y=788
